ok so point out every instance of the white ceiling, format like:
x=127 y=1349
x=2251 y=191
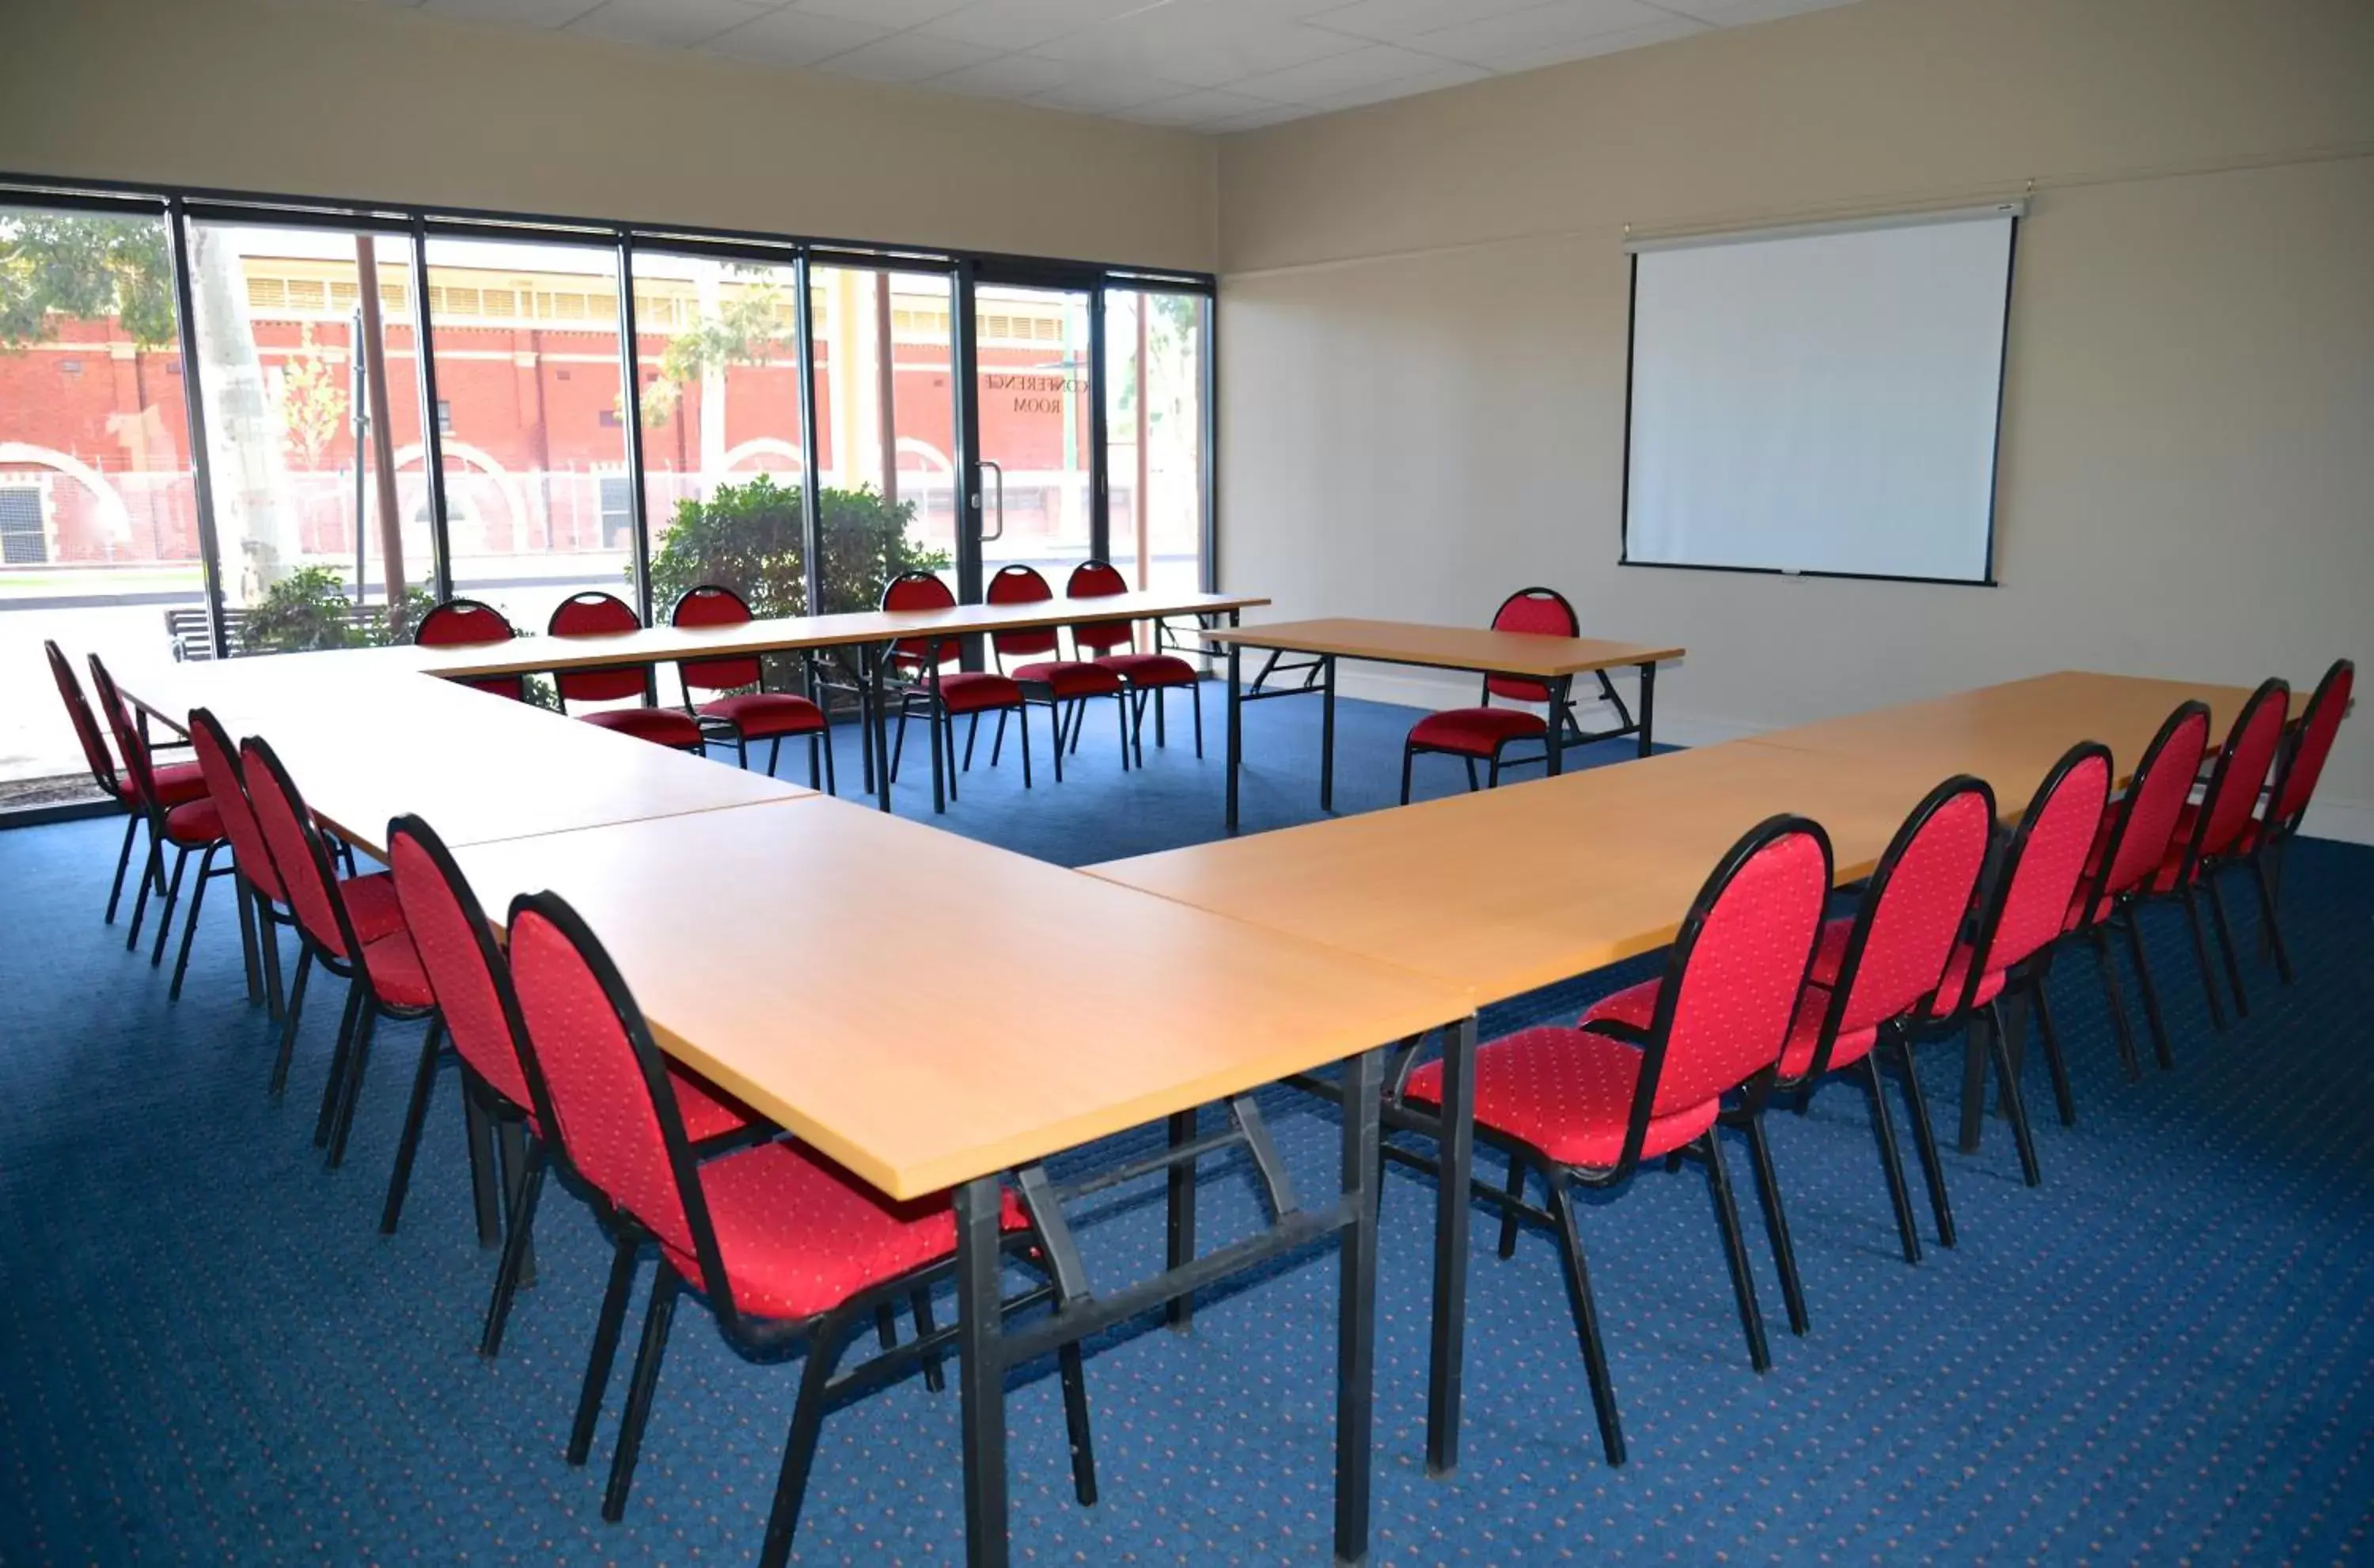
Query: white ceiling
x=1211 y=65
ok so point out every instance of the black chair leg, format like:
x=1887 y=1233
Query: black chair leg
x=1924 y=1143
x=973 y=733
x=1196 y=693
x=2063 y=1101
x=1472 y=784
x=290 y=1013
x=1022 y=728
x=2271 y=926
x=1891 y=1160
x=607 y=1328
x=2007 y=1083
x=1120 y=720
x=190 y=922
x=356 y=1065
x=1509 y=1211
x=267 y=942
x=399 y=1180
x=1586 y=1321
x=824 y=742
x=152 y=876
x=1734 y=1248
x=799 y=1447
x=165 y=910
x=2226 y=947
x=1776 y=1225
x=2107 y=966
x=640 y=1388
x=515 y=1249
x=2200 y=957
x=123 y=864
x=1407 y=757
x=1075 y=1424
x=348 y=1022
x=920 y=1304
x=2150 y=988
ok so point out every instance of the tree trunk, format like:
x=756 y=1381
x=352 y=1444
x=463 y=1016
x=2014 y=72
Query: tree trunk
x=253 y=510
x=373 y=349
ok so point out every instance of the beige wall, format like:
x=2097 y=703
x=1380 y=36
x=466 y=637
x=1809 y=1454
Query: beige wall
x=1423 y=316
x=375 y=101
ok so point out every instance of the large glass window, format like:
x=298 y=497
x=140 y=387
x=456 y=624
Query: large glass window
x=1155 y=347
x=531 y=395
x=98 y=535
x=311 y=381
x=1036 y=423
x=886 y=430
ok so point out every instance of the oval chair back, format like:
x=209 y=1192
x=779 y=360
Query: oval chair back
x=1734 y=973
x=2031 y=885
x=1018 y=584
x=86 y=725
x=2303 y=761
x=597 y=615
x=1912 y=912
x=918 y=591
x=466 y=623
x=130 y=743
x=712 y=604
x=2143 y=822
x=226 y=786
x=1541 y=612
x=1099 y=579
x=2243 y=764
x=458 y=953
x=308 y=880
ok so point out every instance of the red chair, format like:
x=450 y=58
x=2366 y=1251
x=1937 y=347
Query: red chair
x=607 y=615
x=784 y=1246
x=1645 y=1073
x=2129 y=848
x=747 y=715
x=1053 y=680
x=193 y=823
x=1876 y=971
x=354 y=929
x=2297 y=768
x=465 y=622
x=1482 y=733
x=472 y=983
x=975 y=692
x=2021 y=914
x=2209 y=837
x=257 y=885
x=176 y=783
x=1149 y=676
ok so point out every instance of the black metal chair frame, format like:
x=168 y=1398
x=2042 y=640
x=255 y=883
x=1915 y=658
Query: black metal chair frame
x=152 y=810
x=913 y=678
x=1043 y=692
x=1143 y=696
x=1551 y=696
x=514 y=687
x=818 y=740
x=2265 y=854
x=561 y=678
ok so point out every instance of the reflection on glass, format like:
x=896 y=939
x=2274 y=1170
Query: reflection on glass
x=99 y=528
x=530 y=393
x=310 y=383
x=1154 y=357
x=1034 y=425
x=886 y=430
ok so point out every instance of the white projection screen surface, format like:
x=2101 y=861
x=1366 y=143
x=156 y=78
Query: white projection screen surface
x=1823 y=400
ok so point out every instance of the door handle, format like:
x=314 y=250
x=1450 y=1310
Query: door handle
x=1000 y=494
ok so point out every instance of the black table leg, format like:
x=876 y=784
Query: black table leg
x=1648 y=705
x=980 y=1374
x=1236 y=727
x=1450 y=1330
x=1356 y=1344
x=1180 y=1240
x=1561 y=693
x=1327 y=732
x=878 y=723
x=939 y=779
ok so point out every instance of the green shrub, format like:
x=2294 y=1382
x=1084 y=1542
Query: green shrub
x=747 y=537
x=309 y=610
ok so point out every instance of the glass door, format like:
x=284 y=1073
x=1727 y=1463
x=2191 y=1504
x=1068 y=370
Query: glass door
x=1035 y=388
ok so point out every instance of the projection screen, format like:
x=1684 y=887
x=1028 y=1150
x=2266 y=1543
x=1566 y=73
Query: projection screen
x=1820 y=400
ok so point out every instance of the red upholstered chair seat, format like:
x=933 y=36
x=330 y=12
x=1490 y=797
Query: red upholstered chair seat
x=662 y=726
x=758 y=715
x=371 y=905
x=194 y=823
x=177 y=783
x=971 y=691
x=1069 y=678
x=1148 y=670
x=799 y=1236
x=396 y=974
x=708 y=1110
x=1568 y=1092
x=1475 y=731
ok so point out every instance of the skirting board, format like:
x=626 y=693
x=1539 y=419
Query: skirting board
x=2351 y=822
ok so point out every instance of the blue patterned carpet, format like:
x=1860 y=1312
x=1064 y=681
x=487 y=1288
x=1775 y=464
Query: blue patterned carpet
x=208 y=1354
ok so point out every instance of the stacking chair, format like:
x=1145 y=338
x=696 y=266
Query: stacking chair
x=747 y=716
x=2129 y=848
x=465 y=622
x=354 y=929
x=2298 y=767
x=472 y=983
x=1645 y=1073
x=1059 y=682
x=961 y=692
x=193 y=823
x=176 y=783
x=1149 y=676
x=784 y=1246
x=600 y=615
x=2209 y=837
x=1485 y=733
x=2020 y=917
x=1877 y=971
x=257 y=885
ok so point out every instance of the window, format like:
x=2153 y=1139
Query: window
x=444 y=416
x=1156 y=466
x=885 y=424
x=24 y=539
x=617 y=514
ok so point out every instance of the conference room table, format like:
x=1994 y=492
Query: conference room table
x=1509 y=890
x=1553 y=662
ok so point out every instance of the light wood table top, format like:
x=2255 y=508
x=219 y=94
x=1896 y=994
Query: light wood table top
x=1511 y=889
x=1444 y=648
x=528 y=655
x=2011 y=734
x=364 y=746
x=926 y=1009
